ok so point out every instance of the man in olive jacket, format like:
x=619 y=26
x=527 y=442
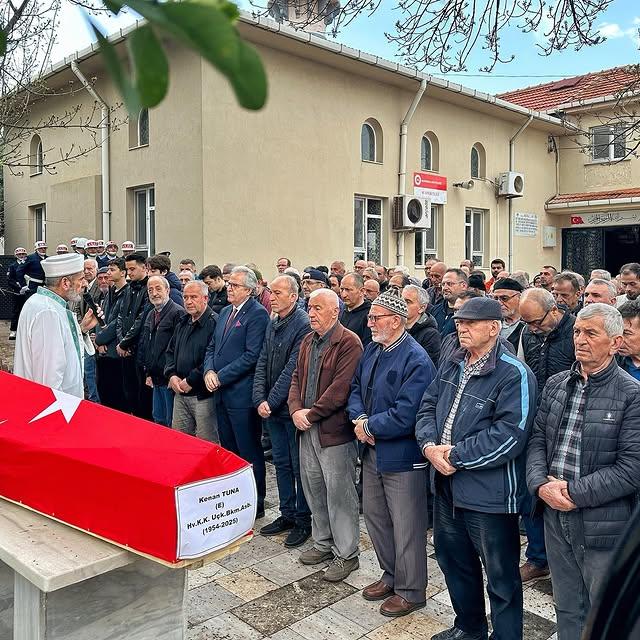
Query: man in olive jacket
x=583 y=464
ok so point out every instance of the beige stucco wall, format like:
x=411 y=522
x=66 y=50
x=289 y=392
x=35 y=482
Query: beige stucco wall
x=234 y=185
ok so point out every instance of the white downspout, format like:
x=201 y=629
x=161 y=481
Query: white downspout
x=512 y=163
x=402 y=170
x=105 y=127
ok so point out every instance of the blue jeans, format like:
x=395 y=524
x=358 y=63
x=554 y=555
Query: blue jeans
x=90 y=378
x=286 y=460
x=465 y=541
x=162 y=405
x=536 y=552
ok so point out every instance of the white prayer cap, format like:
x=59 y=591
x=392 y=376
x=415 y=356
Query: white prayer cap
x=65 y=264
x=81 y=243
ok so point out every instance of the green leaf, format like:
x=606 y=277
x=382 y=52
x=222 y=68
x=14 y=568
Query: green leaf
x=3 y=42
x=114 y=6
x=151 y=69
x=116 y=71
x=208 y=30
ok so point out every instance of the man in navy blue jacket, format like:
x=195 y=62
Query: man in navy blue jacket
x=473 y=426
x=392 y=376
x=229 y=366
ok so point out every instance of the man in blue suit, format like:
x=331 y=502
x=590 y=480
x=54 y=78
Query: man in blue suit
x=229 y=366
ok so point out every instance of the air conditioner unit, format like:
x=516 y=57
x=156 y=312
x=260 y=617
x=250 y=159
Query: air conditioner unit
x=511 y=184
x=410 y=213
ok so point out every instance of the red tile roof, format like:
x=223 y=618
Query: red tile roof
x=543 y=97
x=563 y=198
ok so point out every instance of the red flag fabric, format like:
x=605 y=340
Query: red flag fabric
x=141 y=485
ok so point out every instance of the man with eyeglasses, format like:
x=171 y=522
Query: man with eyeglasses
x=454 y=282
x=229 y=366
x=547 y=347
x=312 y=280
x=507 y=292
x=391 y=378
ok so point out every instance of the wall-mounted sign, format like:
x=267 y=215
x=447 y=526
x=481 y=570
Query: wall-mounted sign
x=430 y=185
x=548 y=237
x=525 y=224
x=609 y=219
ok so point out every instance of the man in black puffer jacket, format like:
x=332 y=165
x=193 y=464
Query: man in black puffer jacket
x=271 y=382
x=583 y=464
x=422 y=326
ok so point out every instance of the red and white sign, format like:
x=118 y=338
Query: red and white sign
x=430 y=185
x=140 y=485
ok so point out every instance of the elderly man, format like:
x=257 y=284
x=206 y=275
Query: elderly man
x=566 y=291
x=108 y=363
x=630 y=282
x=426 y=283
x=629 y=353
x=436 y=273
x=454 y=282
x=15 y=287
x=229 y=367
x=359 y=266
x=328 y=452
x=337 y=268
x=547 y=274
x=547 y=348
x=356 y=307
x=282 y=264
x=50 y=344
x=271 y=384
x=313 y=280
x=473 y=427
x=371 y=289
x=507 y=292
x=421 y=325
x=583 y=464
x=193 y=404
x=160 y=265
x=600 y=290
x=133 y=312
x=600 y=274
x=103 y=284
x=390 y=380
x=156 y=334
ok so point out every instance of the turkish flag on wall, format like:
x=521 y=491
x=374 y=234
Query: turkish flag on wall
x=139 y=484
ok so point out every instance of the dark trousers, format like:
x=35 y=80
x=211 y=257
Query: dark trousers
x=577 y=573
x=18 y=303
x=138 y=397
x=536 y=552
x=110 y=388
x=465 y=541
x=286 y=460
x=240 y=432
x=394 y=510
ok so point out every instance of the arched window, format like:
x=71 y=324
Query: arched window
x=36 y=155
x=371 y=141
x=478 y=161
x=429 y=152
x=368 y=143
x=143 y=127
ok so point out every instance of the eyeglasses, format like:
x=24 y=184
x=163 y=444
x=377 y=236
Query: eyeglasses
x=537 y=323
x=233 y=285
x=373 y=319
x=504 y=298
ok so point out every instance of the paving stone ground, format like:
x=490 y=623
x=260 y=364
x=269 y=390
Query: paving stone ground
x=263 y=591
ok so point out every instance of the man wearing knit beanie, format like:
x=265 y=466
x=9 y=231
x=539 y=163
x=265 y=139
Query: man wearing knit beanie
x=392 y=376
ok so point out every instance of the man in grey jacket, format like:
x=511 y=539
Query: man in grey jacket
x=583 y=463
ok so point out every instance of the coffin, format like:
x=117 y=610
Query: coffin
x=145 y=487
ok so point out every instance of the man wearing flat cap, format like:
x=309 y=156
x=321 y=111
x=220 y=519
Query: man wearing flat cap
x=473 y=425
x=50 y=343
x=389 y=382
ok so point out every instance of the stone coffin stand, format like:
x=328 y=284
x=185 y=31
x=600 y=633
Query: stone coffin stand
x=59 y=583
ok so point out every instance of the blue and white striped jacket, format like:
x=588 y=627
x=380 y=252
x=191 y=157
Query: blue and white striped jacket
x=490 y=430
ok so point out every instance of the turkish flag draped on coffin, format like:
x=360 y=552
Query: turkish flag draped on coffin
x=138 y=484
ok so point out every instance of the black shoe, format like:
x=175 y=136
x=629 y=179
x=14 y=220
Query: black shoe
x=279 y=525
x=297 y=536
x=458 y=634
x=268 y=455
x=259 y=514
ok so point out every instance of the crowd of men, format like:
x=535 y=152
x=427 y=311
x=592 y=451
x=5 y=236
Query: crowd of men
x=456 y=403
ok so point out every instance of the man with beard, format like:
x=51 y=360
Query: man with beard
x=50 y=344
x=630 y=282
